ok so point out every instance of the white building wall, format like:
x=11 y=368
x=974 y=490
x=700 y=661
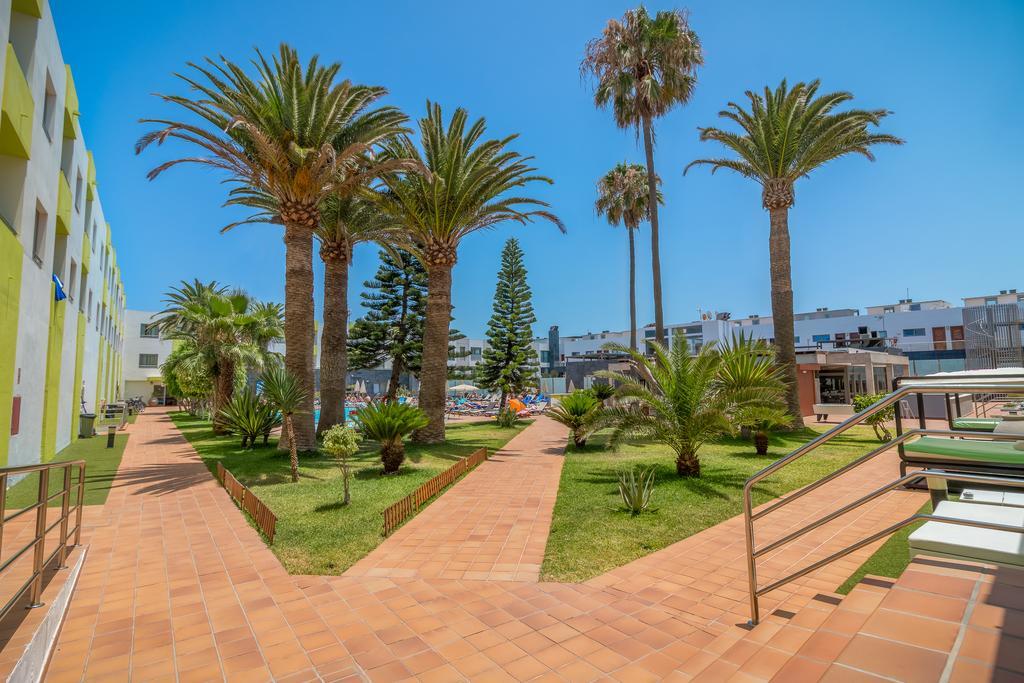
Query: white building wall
x=139 y=381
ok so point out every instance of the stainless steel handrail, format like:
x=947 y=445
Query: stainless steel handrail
x=946 y=385
x=34 y=583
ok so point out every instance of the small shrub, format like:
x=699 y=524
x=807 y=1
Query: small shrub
x=581 y=412
x=341 y=443
x=761 y=421
x=507 y=418
x=388 y=424
x=250 y=417
x=877 y=421
x=636 y=488
x=602 y=391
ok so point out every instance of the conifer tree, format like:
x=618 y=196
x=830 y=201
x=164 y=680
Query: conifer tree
x=392 y=329
x=509 y=362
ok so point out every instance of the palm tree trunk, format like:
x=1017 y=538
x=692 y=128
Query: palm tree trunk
x=223 y=388
x=632 y=288
x=652 y=198
x=434 y=373
x=687 y=464
x=298 y=326
x=293 y=452
x=333 y=344
x=782 y=308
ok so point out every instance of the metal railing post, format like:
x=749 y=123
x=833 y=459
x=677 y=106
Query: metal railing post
x=65 y=505
x=81 y=498
x=748 y=528
x=36 y=594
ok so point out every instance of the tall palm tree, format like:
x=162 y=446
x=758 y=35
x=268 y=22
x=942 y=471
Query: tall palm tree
x=643 y=66
x=466 y=190
x=786 y=134
x=684 y=401
x=222 y=332
x=273 y=136
x=345 y=222
x=623 y=199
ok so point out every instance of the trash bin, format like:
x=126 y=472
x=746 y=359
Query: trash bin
x=86 y=424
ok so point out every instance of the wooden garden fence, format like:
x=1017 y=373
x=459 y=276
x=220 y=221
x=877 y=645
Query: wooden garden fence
x=405 y=508
x=265 y=520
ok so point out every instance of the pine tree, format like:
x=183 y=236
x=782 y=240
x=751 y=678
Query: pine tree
x=392 y=328
x=509 y=363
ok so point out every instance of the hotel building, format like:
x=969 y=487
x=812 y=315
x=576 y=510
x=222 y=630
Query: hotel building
x=62 y=303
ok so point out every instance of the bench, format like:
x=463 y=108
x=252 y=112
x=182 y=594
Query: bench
x=972 y=543
x=823 y=410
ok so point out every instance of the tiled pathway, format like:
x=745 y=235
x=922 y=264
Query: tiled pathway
x=493 y=525
x=178 y=587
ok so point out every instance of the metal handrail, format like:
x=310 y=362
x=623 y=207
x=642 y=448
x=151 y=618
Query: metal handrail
x=891 y=399
x=40 y=560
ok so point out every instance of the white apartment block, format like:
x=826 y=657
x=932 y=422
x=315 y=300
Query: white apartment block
x=58 y=356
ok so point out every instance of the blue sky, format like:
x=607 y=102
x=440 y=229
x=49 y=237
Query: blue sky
x=940 y=216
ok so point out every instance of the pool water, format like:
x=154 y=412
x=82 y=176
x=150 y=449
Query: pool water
x=316 y=415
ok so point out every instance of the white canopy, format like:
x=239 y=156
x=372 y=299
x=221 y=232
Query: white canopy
x=463 y=387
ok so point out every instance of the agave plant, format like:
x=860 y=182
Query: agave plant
x=507 y=418
x=388 y=424
x=249 y=417
x=636 y=488
x=581 y=412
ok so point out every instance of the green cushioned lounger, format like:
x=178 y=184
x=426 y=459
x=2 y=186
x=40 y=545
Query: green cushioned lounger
x=965 y=449
x=977 y=424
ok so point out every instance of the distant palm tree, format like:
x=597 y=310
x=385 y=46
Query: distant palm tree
x=683 y=400
x=623 y=199
x=468 y=188
x=285 y=392
x=643 y=66
x=222 y=332
x=274 y=136
x=788 y=133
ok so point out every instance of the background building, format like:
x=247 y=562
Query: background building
x=61 y=298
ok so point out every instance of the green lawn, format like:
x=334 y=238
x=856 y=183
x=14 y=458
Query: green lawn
x=591 y=533
x=315 y=533
x=100 y=469
x=890 y=559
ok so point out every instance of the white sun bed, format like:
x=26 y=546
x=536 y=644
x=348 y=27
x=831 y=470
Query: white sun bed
x=971 y=543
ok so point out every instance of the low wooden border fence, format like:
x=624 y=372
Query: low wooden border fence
x=265 y=519
x=395 y=514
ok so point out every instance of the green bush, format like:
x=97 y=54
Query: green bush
x=602 y=391
x=250 y=417
x=507 y=418
x=877 y=421
x=388 y=424
x=581 y=412
x=636 y=488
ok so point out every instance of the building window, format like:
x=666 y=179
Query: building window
x=915 y=307
x=649 y=334
x=991 y=301
x=821 y=338
x=72 y=279
x=796 y=340
x=889 y=309
x=78 y=193
x=39 y=236
x=149 y=330
x=147 y=360
x=545 y=356
x=475 y=352
x=49 y=107
x=913 y=332
x=89 y=313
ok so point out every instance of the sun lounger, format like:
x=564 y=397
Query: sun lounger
x=976 y=424
x=972 y=543
x=993 y=497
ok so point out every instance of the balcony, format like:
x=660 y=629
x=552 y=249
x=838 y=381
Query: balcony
x=33 y=8
x=17 y=110
x=70 y=105
x=63 y=205
x=90 y=186
x=86 y=250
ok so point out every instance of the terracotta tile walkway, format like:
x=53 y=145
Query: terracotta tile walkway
x=493 y=525
x=177 y=586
